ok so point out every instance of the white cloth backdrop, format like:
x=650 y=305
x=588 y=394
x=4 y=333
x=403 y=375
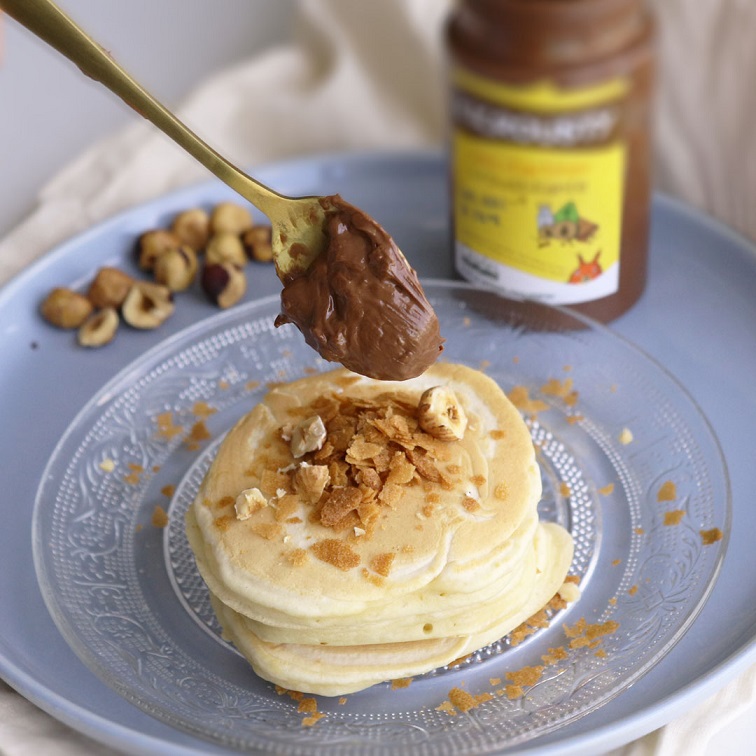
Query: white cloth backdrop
x=366 y=74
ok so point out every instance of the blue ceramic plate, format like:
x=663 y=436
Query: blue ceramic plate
x=696 y=319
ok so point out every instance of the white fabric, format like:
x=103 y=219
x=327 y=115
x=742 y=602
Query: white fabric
x=367 y=74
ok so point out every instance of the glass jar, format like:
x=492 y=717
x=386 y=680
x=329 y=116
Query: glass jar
x=551 y=105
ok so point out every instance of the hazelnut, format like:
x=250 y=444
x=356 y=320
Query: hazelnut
x=441 y=415
x=147 y=305
x=152 y=244
x=109 y=288
x=192 y=227
x=176 y=268
x=231 y=218
x=223 y=283
x=225 y=247
x=99 y=328
x=258 y=243
x=65 y=308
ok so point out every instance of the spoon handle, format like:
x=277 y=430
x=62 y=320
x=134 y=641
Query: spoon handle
x=48 y=22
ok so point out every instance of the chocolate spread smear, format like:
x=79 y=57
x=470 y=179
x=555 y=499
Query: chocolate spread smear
x=360 y=303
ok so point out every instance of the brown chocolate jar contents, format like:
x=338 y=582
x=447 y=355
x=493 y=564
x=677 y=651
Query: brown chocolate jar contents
x=361 y=304
x=551 y=109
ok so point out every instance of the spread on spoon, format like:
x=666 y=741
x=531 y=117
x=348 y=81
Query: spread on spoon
x=360 y=303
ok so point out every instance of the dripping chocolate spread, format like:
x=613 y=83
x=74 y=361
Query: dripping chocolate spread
x=360 y=303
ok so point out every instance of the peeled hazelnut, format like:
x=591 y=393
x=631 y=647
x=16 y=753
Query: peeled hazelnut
x=440 y=414
x=225 y=247
x=109 y=288
x=309 y=435
x=223 y=283
x=65 y=308
x=152 y=244
x=99 y=328
x=230 y=217
x=176 y=268
x=192 y=227
x=257 y=243
x=147 y=305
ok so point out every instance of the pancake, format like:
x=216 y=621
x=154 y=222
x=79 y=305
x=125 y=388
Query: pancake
x=387 y=547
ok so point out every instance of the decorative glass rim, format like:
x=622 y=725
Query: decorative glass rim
x=52 y=572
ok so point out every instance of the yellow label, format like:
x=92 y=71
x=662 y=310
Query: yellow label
x=543 y=96
x=537 y=215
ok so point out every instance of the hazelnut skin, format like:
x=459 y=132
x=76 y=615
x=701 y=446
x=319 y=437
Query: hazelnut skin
x=99 y=328
x=192 y=227
x=109 y=288
x=257 y=242
x=65 y=308
x=231 y=218
x=147 y=305
x=225 y=247
x=223 y=283
x=152 y=244
x=176 y=268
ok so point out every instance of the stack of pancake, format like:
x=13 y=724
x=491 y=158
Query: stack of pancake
x=347 y=540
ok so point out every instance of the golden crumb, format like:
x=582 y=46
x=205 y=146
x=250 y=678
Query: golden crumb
x=447 y=707
x=632 y=590
x=554 y=655
x=313 y=719
x=297 y=557
x=711 y=536
x=525 y=677
x=607 y=489
x=494 y=681
x=564 y=489
x=382 y=564
x=497 y=434
x=601 y=653
x=168 y=491
x=198 y=433
x=470 y=505
x=465 y=701
x=501 y=491
x=402 y=682
x=520 y=397
x=575 y=419
x=159 y=517
x=667 y=491
x=223 y=384
x=107 y=465
x=267 y=530
x=342 y=700
x=514 y=691
x=612 y=601
x=674 y=516
x=203 y=409
x=626 y=436
x=615 y=562
x=166 y=427
x=336 y=553
x=224 y=522
x=639 y=531
x=307 y=706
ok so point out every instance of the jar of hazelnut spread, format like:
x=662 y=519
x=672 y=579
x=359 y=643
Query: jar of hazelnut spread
x=551 y=145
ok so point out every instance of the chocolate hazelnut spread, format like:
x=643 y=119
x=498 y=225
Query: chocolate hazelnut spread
x=360 y=303
x=551 y=149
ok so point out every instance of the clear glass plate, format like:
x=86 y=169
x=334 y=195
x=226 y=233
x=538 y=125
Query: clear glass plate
x=630 y=466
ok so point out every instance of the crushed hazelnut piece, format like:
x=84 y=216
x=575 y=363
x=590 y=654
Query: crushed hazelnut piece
x=307 y=436
x=248 y=502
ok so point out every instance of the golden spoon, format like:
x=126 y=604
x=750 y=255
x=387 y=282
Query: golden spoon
x=347 y=286
x=297 y=223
